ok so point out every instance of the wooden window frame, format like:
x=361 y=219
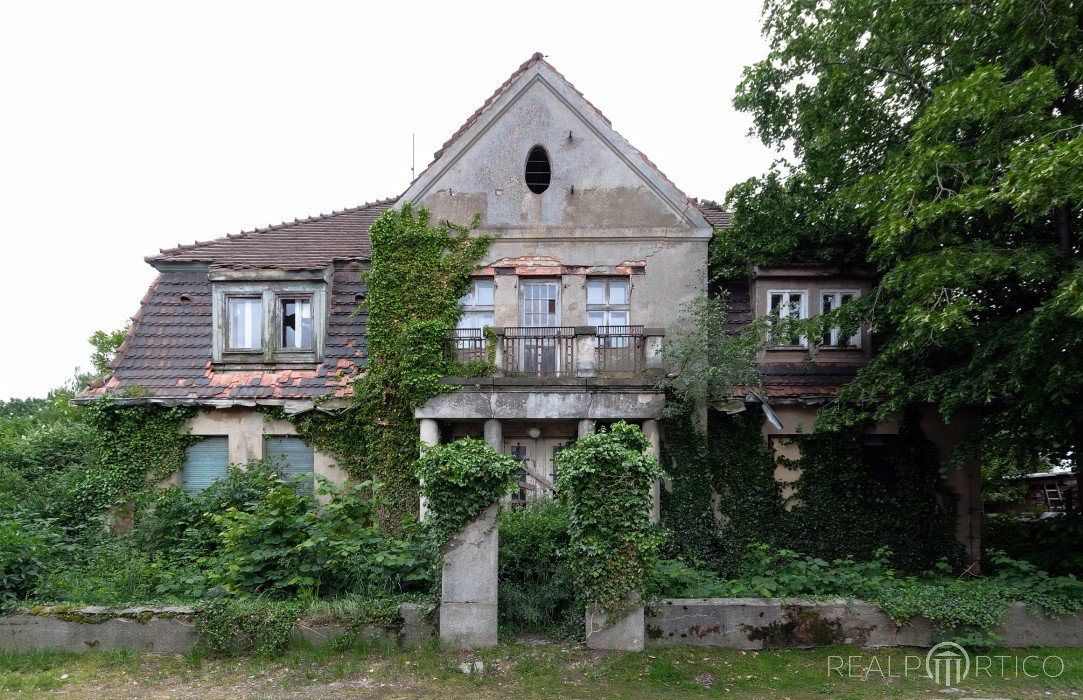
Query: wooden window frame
x=608 y=308
x=834 y=332
x=557 y=283
x=271 y=294
x=802 y=315
x=473 y=310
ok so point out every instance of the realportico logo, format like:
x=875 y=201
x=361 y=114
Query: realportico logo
x=947 y=664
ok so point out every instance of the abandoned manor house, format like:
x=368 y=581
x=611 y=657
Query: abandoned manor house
x=595 y=253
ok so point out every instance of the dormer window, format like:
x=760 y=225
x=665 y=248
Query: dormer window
x=833 y=338
x=538 y=170
x=791 y=305
x=245 y=323
x=295 y=318
x=280 y=322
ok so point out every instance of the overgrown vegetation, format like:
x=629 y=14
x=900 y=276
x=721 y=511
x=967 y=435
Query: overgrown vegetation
x=962 y=607
x=605 y=479
x=537 y=589
x=419 y=271
x=840 y=507
x=935 y=146
x=461 y=479
x=1051 y=544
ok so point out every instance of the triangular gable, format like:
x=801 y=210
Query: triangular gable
x=539 y=72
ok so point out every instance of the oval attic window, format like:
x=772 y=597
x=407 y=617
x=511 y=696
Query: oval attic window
x=538 y=172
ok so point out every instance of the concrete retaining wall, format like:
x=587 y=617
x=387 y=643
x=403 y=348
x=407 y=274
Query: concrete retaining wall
x=169 y=630
x=771 y=623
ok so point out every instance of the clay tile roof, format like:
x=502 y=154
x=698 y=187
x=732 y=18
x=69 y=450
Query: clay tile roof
x=167 y=353
x=302 y=244
x=714 y=213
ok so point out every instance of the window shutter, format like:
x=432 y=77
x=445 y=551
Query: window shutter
x=207 y=462
x=291 y=455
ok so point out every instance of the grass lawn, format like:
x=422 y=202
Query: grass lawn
x=511 y=671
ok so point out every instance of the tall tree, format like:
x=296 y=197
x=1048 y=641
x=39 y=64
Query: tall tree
x=942 y=141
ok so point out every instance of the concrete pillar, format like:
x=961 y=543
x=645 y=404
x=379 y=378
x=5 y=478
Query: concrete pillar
x=430 y=435
x=965 y=481
x=650 y=430
x=468 y=607
x=652 y=351
x=494 y=434
x=586 y=427
x=586 y=352
x=625 y=634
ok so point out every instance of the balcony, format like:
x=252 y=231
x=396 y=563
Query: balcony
x=562 y=352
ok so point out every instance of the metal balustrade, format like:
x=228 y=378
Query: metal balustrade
x=465 y=345
x=563 y=351
x=619 y=350
x=539 y=352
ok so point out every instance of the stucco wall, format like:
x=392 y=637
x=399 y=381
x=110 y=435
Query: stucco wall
x=604 y=206
x=246 y=428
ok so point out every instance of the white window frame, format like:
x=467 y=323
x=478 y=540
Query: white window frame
x=227 y=330
x=802 y=315
x=833 y=334
x=556 y=283
x=271 y=294
x=608 y=308
x=471 y=312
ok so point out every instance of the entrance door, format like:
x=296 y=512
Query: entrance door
x=539 y=308
x=537 y=466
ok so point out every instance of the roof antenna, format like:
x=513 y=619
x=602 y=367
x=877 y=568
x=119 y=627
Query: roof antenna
x=413 y=156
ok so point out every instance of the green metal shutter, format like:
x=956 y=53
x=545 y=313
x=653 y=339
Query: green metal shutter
x=207 y=462
x=290 y=454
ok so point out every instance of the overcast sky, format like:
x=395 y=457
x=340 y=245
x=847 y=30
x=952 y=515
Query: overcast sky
x=129 y=127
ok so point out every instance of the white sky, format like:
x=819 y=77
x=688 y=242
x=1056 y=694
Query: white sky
x=129 y=127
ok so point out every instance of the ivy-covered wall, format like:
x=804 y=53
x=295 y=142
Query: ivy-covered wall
x=838 y=509
x=419 y=271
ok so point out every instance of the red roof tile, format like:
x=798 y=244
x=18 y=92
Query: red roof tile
x=167 y=353
x=303 y=244
x=716 y=216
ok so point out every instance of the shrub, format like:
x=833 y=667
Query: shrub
x=954 y=605
x=1051 y=544
x=289 y=544
x=178 y=531
x=110 y=571
x=28 y=546
x=536 y=588
x=460 y=479
x=605 y=480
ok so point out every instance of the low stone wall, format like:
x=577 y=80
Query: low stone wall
x=160 y=630
x=169 y=629
x=771 y=623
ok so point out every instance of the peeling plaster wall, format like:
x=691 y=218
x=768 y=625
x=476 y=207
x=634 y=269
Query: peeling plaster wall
x=599 y=210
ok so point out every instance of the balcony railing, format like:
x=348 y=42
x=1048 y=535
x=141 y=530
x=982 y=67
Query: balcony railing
x=619 y=350
x=582 y=351
x=539 y=352
x=465 y=345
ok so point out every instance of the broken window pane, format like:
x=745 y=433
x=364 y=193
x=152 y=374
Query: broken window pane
x=245 y=323
x=296 y=324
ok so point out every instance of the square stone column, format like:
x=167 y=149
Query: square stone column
x=626 y=633
x=586 y=427
x=468 y=606
x=429 y=435
x=650 y=430
x=494 y=434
